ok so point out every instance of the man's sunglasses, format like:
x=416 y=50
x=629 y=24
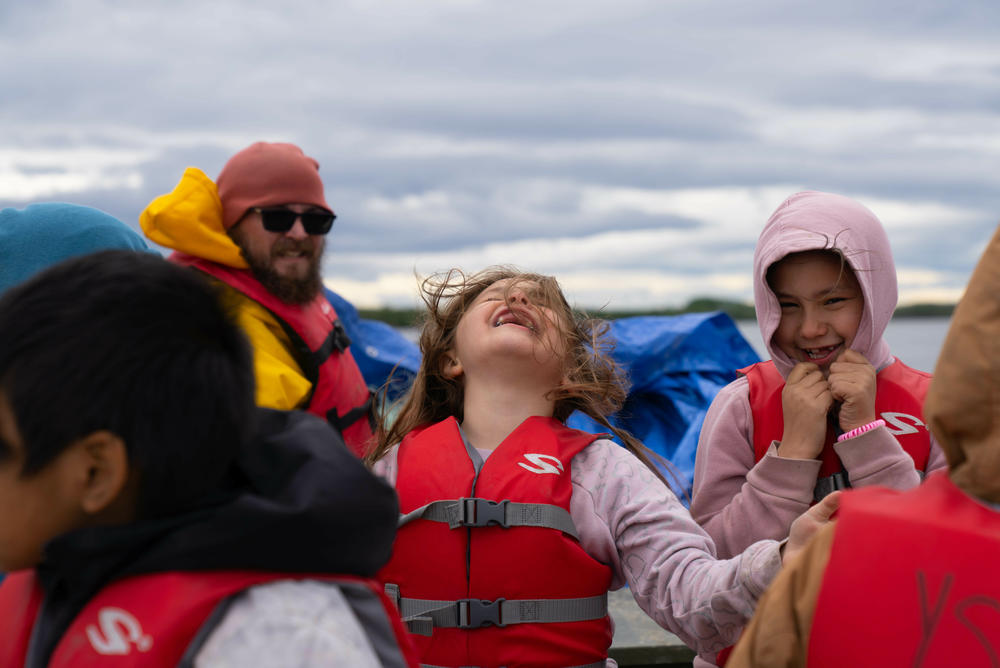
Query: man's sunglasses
x=280 y=219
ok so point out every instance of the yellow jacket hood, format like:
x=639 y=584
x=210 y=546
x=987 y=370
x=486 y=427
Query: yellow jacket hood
x=189 y=219
x=963 y=404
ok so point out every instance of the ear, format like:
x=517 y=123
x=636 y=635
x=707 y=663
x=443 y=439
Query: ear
x=101 y=471
x=451 y=366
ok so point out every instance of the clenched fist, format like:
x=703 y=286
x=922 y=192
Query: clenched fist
x=805 y=401
x=852 y=382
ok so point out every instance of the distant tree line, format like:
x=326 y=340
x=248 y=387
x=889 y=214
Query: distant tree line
x=736 y=310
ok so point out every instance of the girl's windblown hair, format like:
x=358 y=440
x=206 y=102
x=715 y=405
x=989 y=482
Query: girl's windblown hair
x=594 y=383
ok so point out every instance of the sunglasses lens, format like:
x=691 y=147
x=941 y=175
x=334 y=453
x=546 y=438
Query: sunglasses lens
x=282 y=220
x=317 y=222
x=277 y=220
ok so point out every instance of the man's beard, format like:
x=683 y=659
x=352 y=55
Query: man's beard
x=288 y=290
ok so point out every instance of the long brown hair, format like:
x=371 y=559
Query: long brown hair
x=596 y=385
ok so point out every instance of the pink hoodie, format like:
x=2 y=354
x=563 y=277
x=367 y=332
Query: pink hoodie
x=738 y=501
x=812 y=221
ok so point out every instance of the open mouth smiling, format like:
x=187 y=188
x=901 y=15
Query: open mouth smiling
x=508 y=317
x=292 y=249
x=296 y=253
x=821 y=354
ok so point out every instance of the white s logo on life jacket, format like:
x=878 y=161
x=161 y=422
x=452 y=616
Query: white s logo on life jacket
x=903 y=423
x=119 y=631
x=542 y=463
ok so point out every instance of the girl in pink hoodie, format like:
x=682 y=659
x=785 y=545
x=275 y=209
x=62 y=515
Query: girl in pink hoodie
x=832 y=408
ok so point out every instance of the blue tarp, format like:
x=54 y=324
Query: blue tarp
x=676 y=365
x=378 y=348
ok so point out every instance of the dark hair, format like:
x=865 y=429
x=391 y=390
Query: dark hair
x=129 y=343
x=596 y=386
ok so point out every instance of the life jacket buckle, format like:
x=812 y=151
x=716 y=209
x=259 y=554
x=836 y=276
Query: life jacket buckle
x=831 y=483
x=341 y=339
x=483 y=512
x=474 y=613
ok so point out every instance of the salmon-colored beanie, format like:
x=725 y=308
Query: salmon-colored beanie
x=265 y=174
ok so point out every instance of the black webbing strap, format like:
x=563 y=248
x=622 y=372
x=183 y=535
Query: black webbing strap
x=838 y=480
x=342 y=422
x=337 y=340
x=831 y=483
x=311 y=360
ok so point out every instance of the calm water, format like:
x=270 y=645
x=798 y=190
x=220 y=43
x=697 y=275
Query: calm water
x=916 y=341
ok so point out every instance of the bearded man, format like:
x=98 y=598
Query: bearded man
x=259 y=231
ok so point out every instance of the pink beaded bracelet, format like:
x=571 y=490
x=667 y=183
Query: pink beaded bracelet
x=857 y=431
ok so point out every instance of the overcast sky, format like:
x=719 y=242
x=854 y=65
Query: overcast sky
x=633 y=149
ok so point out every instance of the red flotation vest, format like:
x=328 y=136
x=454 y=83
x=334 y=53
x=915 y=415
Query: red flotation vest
x=151 y=620
x=339 y=393
x=912 y=581
x=486 y=567
x=899 y=400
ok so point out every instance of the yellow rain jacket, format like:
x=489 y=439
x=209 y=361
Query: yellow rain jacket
x=189 y=220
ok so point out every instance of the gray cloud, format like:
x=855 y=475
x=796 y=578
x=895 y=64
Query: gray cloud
x=458 y=131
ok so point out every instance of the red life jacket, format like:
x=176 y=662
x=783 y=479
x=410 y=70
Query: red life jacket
x=911 y=581
x=154 y=620
x=339 y=393
x=899 y=400
x=488 y=595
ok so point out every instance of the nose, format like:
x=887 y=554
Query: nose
x=518 y=295
x=813 y=323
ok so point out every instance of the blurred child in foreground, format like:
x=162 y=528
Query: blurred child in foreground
x=152 y=515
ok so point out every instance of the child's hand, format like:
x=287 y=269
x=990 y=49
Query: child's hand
x=808 y=523
x=805 y=402
x=852 y=381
